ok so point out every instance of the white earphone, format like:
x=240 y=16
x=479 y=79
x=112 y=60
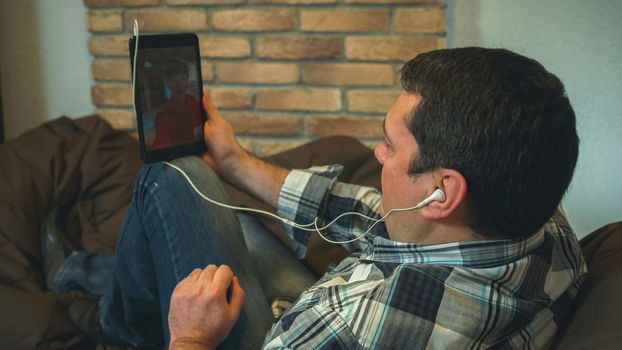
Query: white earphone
x=437 y=195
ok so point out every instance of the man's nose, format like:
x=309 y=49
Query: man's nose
x=379 y=153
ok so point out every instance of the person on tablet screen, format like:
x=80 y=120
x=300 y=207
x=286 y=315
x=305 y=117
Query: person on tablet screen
x=180 y=116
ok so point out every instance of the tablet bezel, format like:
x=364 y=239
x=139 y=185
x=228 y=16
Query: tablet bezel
x=155 y=41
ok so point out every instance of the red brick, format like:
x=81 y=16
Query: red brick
x=109 y=45
x=111 y=69
x=345 y=20
x=254 y=20
x=294 y=47
x=204 y=2
x=299 y=99
x=356 y=126
x=372 y=143
x=420 y=20
x=257 y=73
x=378 y=101
x=231 y=97
x=122 y=119
x=293 y=2
x=119 y=3
x=224 y=46
x=207 y=71
x=162 y=19
x=348 y=74
x=112 y=94
x=264 y=123
x=105 y=21
x=245 y=142
x=268 y=147
x=395 y=48
x=395 y=1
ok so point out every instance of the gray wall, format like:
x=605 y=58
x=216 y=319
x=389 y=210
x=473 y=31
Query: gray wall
x=44 y=62
x=581 y=42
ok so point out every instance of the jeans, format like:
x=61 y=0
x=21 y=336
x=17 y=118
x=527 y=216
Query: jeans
x=169 y=231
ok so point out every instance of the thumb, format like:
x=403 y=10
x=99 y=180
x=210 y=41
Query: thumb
x=210 y=108
x=237 y=297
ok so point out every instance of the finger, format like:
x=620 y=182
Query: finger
x=237 y=297
x=192 y=276
x=210 y=108
x=189 y=280
x=209 y=126
x=208 y=274
x=222 y=278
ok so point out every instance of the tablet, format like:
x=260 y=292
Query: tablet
x=167 y=95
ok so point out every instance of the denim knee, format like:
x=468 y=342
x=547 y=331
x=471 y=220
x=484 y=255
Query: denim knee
x=195 y=167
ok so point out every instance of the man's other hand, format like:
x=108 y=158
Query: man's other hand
x=200 y=314
x=224 y=153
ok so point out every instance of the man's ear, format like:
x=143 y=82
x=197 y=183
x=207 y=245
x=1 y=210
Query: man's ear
x=455 y=187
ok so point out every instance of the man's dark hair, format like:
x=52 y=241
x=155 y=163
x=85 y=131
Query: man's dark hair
x=504 y=123
x=174 y=67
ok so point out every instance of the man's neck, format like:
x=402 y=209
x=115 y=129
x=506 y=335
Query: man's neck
x=433 y=233
x=448 y=234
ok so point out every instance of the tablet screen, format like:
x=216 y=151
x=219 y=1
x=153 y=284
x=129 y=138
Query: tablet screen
x=168 y=89
x=170 y=101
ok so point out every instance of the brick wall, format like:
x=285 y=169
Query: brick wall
x=281 y=71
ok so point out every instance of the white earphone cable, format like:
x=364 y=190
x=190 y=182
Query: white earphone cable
x=304 y=227
x=134 y=67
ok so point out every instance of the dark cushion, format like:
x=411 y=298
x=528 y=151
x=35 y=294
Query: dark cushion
x=83 y=165
x=597 y=319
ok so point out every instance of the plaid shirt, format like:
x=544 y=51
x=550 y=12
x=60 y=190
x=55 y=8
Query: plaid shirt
x=395 y=295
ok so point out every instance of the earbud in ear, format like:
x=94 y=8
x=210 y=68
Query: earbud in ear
x=437 y=195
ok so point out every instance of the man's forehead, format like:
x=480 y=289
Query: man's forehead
x=402 y=109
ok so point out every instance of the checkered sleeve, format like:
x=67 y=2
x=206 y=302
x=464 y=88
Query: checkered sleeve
x=316 y=193
x=315 y=328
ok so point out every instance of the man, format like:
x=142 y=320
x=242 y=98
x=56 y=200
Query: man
x=478 y=267
x=180 y=115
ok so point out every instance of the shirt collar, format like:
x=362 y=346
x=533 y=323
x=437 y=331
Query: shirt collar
x=475 y=254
